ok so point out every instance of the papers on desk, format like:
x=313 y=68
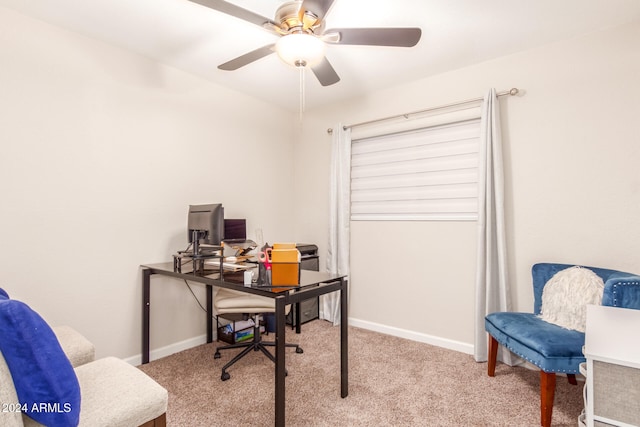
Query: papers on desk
x=236 y=267
x=229 y=266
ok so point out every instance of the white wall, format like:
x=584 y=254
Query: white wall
x=571 y=147
x=102 y=152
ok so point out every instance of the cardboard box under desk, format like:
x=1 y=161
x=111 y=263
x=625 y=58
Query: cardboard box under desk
x=233 y=332
x=236 y=336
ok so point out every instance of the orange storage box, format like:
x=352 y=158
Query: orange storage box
x=285 y=264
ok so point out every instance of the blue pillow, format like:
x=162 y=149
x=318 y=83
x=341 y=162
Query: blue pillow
x=3 y=294
x=46 y=384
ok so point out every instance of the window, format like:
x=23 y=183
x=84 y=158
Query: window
x=425 y=174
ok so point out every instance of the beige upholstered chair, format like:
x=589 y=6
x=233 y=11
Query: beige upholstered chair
x=114 y=393
x=78 y=349
x=229 y=301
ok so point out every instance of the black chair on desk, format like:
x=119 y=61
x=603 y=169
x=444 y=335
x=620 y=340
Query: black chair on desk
x=228 y=301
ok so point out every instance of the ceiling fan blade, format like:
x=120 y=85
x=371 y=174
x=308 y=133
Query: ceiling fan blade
x=247 y=58
x=398 y=37
x=233 y=10
x=325 y=73
x=318 y=7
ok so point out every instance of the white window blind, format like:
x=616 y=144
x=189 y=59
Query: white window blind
x=425 y=174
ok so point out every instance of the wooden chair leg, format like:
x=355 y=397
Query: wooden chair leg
x=493 y=355
x=547 y=392
x=161 y=421
x=572 y=379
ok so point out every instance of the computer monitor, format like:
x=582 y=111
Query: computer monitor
x=206 y=224
x=235 y=229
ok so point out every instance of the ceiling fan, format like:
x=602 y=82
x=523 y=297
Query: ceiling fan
x=300 y=25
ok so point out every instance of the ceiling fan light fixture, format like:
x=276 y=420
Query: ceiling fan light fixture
x=300 y=49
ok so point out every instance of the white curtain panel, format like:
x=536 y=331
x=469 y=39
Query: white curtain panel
x=339 y=217
x=492 y=292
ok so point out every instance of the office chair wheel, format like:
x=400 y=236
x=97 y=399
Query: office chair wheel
x=225 y=376
x=217 y=355
x=299 y=350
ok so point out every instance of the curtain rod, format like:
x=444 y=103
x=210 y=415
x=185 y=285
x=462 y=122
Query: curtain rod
x=512 y=92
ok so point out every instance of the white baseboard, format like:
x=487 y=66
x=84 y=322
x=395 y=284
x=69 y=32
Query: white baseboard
x=412 y=335
x=376 y=327
x=168 y=350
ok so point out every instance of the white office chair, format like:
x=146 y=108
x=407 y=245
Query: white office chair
x=229 y=301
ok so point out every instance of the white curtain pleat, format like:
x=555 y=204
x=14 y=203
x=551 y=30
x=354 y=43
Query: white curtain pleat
x=339 y=217
x=492 y=293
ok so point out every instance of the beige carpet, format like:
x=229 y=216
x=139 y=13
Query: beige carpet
x=392 y=382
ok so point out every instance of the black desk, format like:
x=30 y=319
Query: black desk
x=312 y=284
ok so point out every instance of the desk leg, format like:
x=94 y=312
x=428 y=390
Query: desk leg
x=298 y=318
x=209 y=313
x=344 y=339
x=280 y=361
x=146 y=313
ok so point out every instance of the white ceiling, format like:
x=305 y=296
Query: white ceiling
x=455 y=34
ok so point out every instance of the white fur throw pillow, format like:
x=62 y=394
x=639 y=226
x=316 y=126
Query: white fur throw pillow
x=566 y=295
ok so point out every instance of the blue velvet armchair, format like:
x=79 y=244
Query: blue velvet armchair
x=552 y=348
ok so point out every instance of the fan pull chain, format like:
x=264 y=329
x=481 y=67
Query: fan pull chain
x=301 y=71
